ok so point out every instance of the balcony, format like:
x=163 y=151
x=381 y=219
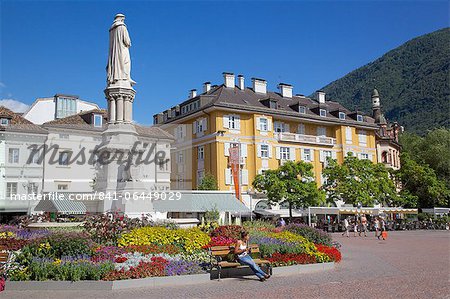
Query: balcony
x=292 y=137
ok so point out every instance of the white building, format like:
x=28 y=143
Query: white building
x=56 y=107
x=20 y=172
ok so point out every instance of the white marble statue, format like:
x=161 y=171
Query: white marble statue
x=119 y=62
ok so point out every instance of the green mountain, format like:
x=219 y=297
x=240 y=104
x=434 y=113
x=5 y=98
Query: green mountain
x=413 y=82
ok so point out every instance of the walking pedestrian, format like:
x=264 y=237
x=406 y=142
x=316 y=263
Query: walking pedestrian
x=355 y=226
x=376 y=225
x=383 y=229
x=364 y=225
x=347 y=227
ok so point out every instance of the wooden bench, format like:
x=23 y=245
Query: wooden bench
x=224 y=257
x=4 y=260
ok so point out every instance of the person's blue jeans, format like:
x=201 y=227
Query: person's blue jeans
x=247 y=260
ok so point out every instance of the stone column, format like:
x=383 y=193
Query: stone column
x=119 y=109
x=112 y=111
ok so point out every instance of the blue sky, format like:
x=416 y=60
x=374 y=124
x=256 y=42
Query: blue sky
x=62 y=46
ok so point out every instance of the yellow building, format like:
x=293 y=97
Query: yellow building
x=269 y=127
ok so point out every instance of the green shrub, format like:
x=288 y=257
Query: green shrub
x=312 y=234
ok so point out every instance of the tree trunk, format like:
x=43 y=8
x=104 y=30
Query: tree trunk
x=290 y=212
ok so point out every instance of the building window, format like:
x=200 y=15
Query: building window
x=263 y=124
x=321 y=131
x=302 y=109
x=362 y=138
x=364 y=156
x=201 y=153
x=359 y=117
x=63 y=186
x=323 y=112
x=280 y=127
x=63 y=158
x=301 y=129
x=342 y=115
x=200 y=176
x=34 y=157
x=272 y=104
x=307 y=155
x=348 y=135
x=13 y=156
x=162 y=164
x=4 y=121
x=264 y=151
x=180 y=158
x=32 y=188
x=65 y=107
x=11 y=189
x=232 y=122
x=285 y=153
x=98 y=120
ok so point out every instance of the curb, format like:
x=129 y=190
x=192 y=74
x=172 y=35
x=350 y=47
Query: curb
x=149 y=282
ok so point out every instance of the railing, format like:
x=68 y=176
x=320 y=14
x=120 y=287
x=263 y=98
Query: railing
x=305 y=138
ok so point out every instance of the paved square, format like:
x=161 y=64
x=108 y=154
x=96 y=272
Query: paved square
x=410 y=264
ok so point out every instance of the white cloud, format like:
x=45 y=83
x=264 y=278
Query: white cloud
x=14 y=105
x=2 y=85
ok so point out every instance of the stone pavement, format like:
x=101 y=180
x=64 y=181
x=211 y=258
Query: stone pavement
x=410 y=264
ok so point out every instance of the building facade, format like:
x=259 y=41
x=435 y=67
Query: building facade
x=20 y=171
x=56 y=107
x=388 y=146
x=268 y=127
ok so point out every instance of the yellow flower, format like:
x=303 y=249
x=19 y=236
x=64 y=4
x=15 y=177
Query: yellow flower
x=4 y=235
x=57 y=262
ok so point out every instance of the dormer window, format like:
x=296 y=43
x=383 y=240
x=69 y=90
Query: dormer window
x=272 y=104
x=98 y=120
x=302 y=109
x=323 y=112
x=342 y=115
x=359 y=117
x=4 y=121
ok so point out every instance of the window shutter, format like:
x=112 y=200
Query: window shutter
x=244 y=150
x=225 y=122
x=269 y=124
x=348 y=135
x=302 y=154
x=359 y=156
x=292 y=153
x=244 y=176
x=194 y=127
x=301 y=129
x=182 y=131
x=286 y=128
x=312 y=154
x=258 y=123
x=277 y=152
x=270 y=151
x=204 y=125
x=334 y=155
x=321 y=131
x=227 y=149
x=322 y=156
x=370 y=157
x=258 y=151
x=227 y=176
x=237 y=119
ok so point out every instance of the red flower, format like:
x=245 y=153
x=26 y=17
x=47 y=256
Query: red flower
x=121 y=259
x=333 y=253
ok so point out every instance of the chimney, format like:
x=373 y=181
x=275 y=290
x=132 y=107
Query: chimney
x=192 y=93
x=259 y=85
x=241 y=82
x=321 y=97
x=228 y=79
x=160 y=118
x=206 y=87
x=286 y=90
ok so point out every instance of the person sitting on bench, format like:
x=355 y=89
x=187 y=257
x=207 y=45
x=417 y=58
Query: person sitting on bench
x=244 y=257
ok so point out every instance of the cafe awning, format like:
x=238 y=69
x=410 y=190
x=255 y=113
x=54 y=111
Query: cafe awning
x=63 y=206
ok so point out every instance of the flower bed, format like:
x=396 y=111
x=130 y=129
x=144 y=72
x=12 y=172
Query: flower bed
x=151 y=251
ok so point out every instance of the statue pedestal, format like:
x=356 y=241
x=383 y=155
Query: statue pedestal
x=119 y=179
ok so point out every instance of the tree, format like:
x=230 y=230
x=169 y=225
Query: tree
x=421 y=181
x=359 y=181
x=292 y=182
x=432 y=149
x=209 y=182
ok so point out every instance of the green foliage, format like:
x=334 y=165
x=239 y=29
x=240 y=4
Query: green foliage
x=312 y=234
x=412 y=80
x=421 y=181
x=433 y=149
x=258 y=225
x=359 y=181
x=209 y=182
x=212 y=215
x=71 y=271
x=293 y=182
